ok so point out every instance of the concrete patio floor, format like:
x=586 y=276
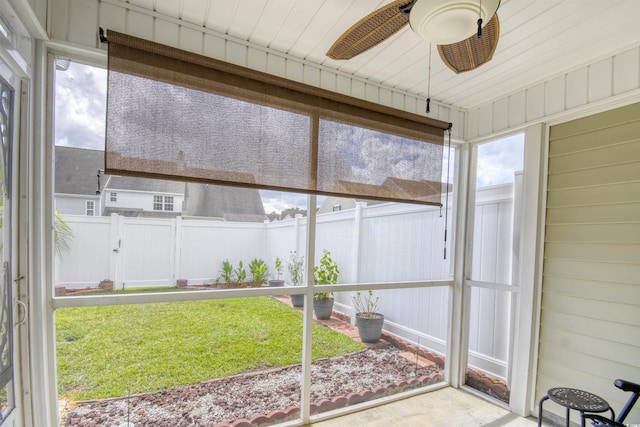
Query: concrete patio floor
x=447 y=407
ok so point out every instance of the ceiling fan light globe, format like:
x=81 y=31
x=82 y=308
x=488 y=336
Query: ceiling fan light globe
x=449 y=21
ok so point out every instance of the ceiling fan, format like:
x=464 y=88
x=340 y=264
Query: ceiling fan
x=466 y=31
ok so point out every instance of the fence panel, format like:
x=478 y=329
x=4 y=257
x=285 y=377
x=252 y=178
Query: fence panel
x=206 y=244
x=146 y=251
x=87 y=262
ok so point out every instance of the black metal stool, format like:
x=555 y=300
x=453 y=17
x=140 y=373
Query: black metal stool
x=578 y=400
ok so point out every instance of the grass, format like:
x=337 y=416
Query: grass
x=115 y=350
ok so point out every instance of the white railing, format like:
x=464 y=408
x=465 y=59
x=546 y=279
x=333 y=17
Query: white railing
x=380 y=243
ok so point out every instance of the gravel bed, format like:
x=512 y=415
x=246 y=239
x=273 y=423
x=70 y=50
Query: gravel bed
x=247 y=395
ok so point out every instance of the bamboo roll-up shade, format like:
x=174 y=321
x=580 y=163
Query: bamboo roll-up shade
x=177 y=115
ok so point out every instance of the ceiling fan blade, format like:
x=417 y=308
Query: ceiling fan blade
x=471 y=53
x=370 y=30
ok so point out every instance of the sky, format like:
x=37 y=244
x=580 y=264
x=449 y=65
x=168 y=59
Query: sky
x=80 y=113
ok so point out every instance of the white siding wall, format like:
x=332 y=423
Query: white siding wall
x=139 y=200
x=581 y=89
x=590 y=319
x=75 y=205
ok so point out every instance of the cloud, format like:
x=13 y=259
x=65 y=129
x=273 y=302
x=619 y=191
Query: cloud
x=277 y=201
x=498 y=160
x=80 y=106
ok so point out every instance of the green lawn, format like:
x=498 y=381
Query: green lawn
x=114 y=350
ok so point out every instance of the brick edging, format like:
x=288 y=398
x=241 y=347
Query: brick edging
x=325 y=405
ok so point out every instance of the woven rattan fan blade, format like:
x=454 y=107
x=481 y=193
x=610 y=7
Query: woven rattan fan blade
x=471 y=53
x=370 y=31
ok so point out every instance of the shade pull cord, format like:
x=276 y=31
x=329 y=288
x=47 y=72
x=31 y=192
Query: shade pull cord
x=480 y=20
x=429 y=83
x=446 y=203
x=98 y=175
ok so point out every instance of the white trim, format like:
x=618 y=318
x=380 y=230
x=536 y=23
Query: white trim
x=537 y=296
x=523 y=315
x=455 y=357
x=526 y=308
x=492 y=285
x=307 y=327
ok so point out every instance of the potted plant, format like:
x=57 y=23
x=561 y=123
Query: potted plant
x=368 y=320
x=278 y=266
x=259 y=271
x=324 y=274
x=296 y=272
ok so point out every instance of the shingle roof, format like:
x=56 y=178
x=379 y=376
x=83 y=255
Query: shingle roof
x=145 y=184
x=230 y=203
x=77 y=170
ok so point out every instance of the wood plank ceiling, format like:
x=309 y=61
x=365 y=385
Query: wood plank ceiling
x=540 y=40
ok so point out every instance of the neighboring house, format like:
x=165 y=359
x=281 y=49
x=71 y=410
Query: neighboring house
x=76 y=185
x=131 y=196
x=80 y=191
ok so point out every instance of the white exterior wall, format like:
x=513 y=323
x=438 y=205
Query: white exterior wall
x=593 y=87
x=76 y=205
x=140 y=200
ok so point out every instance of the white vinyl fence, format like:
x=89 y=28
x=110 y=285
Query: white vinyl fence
x=379 y=243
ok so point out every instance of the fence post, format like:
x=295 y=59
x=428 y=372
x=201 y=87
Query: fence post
x=114 y=253
x=296 y=233
x=177 y=253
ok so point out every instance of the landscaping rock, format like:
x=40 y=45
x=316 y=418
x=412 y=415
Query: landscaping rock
x=234 y=400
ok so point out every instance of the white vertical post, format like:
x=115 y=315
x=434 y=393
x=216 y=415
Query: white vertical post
x=296 y=233
x=114 y=254
x=177 y=250
x=518 y=182
x=456 y=358
x=355 y=250
x=531 y=246
x=307 y=327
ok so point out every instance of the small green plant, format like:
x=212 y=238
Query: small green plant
x=239 y=274
x=365 y=305
x=259 y=271
x=227 y=271
x=295 y=267
x=325 y=274
x=278 y=266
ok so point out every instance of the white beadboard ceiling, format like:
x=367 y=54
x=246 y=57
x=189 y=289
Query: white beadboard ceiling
x=540 y=40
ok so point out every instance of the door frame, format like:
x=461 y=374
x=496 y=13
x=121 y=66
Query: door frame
x=18 y=293
x=525 y=307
